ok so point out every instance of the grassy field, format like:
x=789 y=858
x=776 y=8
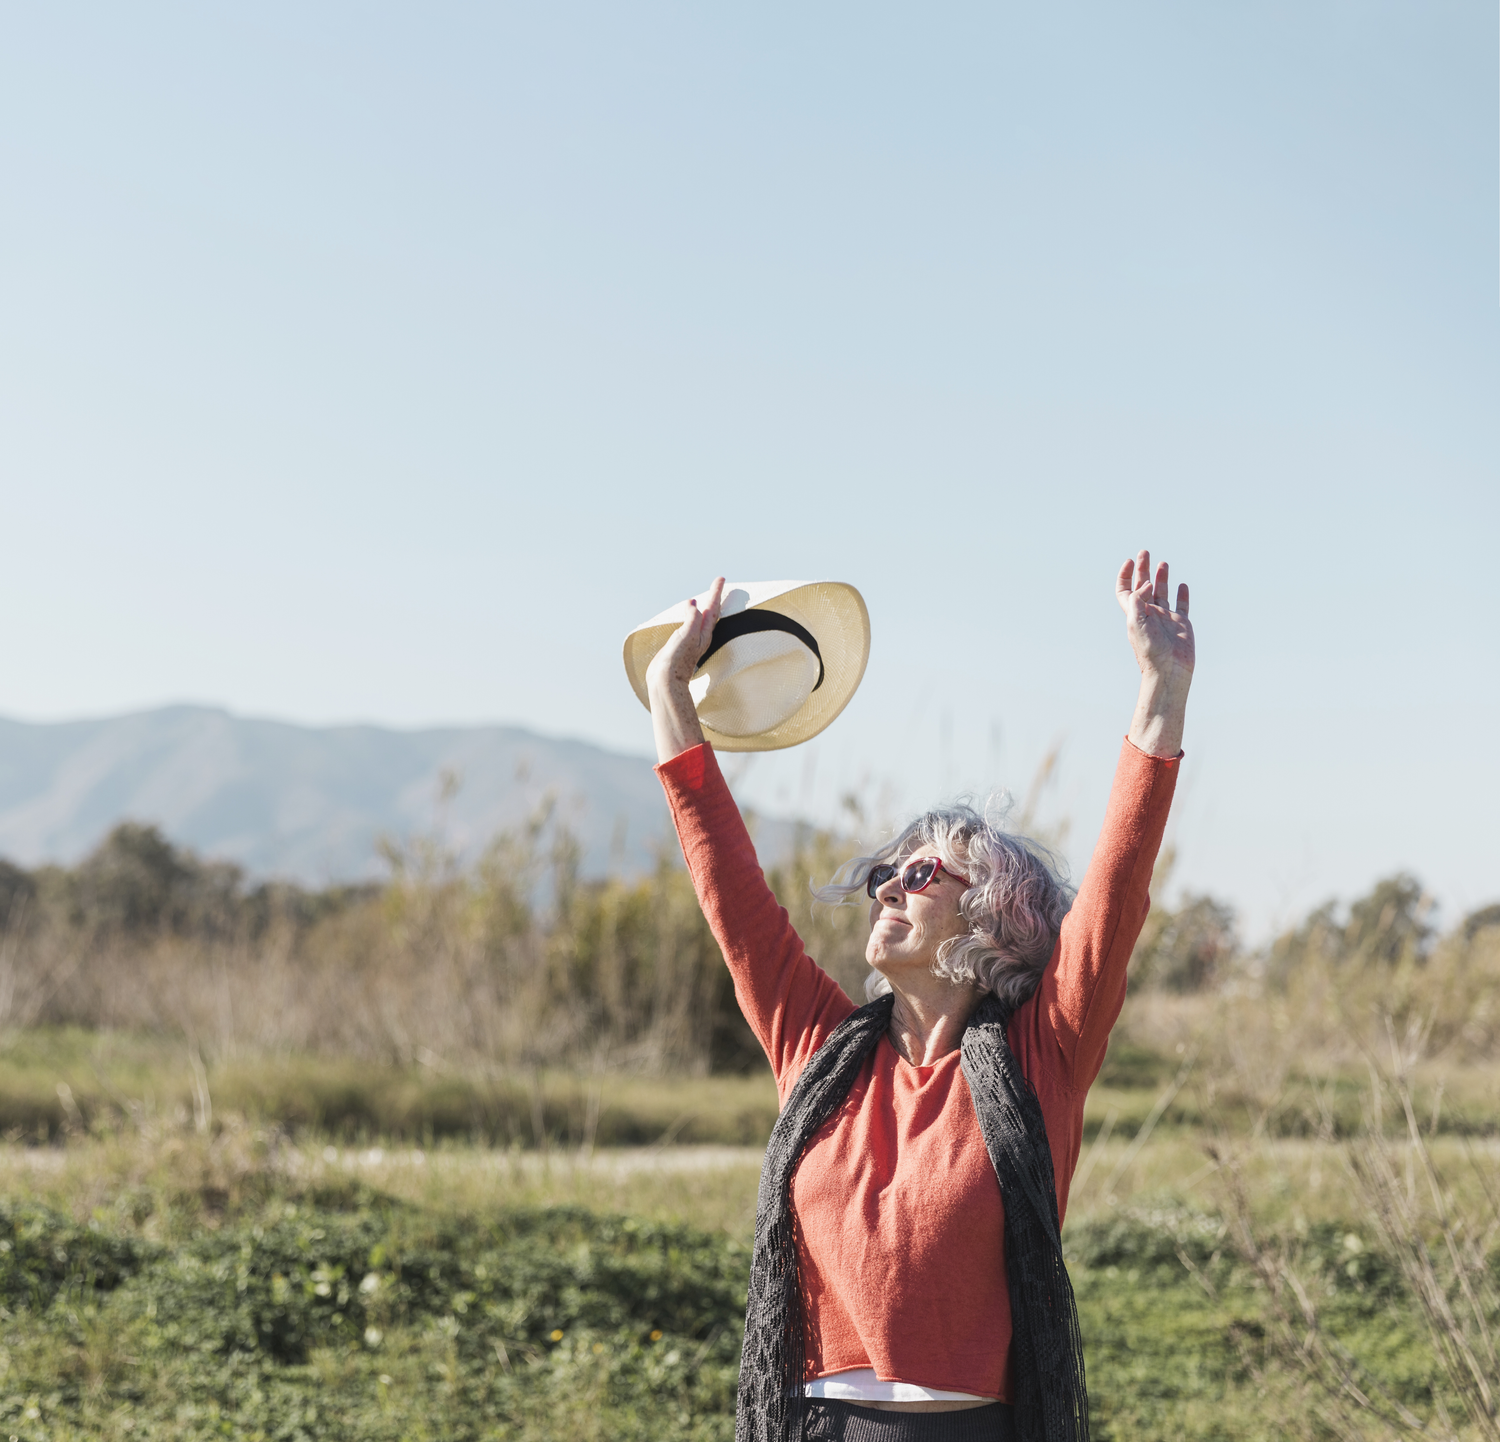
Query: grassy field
x=422 y=1161
x=179 y=1261
x=57 y=1082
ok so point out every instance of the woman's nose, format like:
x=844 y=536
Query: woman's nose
x=888 y=891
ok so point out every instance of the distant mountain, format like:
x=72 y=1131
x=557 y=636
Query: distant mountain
x=308 y=803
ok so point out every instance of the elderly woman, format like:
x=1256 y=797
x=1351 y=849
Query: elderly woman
x=907 y=1282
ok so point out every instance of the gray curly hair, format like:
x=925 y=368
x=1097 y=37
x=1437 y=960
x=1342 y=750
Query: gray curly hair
x=1017 y=897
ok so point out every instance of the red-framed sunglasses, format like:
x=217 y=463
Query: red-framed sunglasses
x=915 y=876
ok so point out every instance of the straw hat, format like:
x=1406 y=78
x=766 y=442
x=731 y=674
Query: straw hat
x=785 y=658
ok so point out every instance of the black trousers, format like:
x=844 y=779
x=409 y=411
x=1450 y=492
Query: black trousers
x=829 y=1420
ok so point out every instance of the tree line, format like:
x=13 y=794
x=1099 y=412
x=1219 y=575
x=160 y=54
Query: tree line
x=516 y=960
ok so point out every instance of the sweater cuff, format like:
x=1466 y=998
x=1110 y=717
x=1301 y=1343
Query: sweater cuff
x=1168 y=761
x=688 y=770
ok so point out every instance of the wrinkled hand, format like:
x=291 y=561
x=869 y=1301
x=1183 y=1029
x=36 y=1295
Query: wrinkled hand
x=1162 y=638
x=674 y=717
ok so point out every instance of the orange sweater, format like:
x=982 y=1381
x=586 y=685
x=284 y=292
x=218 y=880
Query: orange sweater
x=899 y=1217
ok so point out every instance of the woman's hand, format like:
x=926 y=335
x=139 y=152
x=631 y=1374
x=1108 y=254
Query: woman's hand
x=674 y=717
x=1162 y=639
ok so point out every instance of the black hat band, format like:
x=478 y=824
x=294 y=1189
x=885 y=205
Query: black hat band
x=745 y=623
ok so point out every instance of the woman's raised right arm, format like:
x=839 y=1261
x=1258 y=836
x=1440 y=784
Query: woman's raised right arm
x=789 y=1001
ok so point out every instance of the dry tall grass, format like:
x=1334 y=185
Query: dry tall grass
x=1367 y=1036
x=518 y=963
x=514 y=963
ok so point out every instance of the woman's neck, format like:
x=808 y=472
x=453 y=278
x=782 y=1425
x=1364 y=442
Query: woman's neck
x=928 y=1020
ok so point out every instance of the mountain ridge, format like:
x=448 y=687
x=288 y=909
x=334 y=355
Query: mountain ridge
x=310 y=803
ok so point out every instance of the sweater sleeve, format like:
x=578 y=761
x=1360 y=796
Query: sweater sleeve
x=791 y=1003
x=1083 y=987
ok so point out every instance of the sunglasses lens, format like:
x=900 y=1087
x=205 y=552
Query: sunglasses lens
x=878 y=877
x=919 y=874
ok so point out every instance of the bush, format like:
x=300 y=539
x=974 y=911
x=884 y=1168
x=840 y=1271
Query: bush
x=1188 y=949
x=42 y=1252
x=312 y=1320
x=1387 y=928
x=515 y=962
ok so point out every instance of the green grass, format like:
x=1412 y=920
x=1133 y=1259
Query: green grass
x=337 y=1311
x=59 y=1079
x=271 y=1276
x=356 y=1316
x=1174 y=1353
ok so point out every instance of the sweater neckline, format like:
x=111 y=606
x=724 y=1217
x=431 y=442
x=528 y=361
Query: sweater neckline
x=921 y=1068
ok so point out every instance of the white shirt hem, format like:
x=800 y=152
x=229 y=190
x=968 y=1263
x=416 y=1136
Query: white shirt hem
x=860 y=1384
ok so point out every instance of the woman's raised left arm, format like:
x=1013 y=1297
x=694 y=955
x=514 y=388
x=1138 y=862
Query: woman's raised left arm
x=1083 y=986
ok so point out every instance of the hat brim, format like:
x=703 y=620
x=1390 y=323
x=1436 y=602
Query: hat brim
x=834 y=612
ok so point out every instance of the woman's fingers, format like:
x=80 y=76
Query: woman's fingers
x=1135 y=581
x=715 y=602
x=707 y=616
x=701 y=620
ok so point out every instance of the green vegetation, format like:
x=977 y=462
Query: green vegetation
x=473 y=1154
x=355 y=1316
x=277 y=1308
x=1174 y=1352
x=61 y=1081
x=441 y=967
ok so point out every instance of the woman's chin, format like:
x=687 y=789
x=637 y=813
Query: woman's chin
x=887 y=952
x=893 y=968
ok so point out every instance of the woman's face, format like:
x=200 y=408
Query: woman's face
x=906 y=928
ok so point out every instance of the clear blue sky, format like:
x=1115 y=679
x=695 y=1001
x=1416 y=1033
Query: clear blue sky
x=388 y=363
